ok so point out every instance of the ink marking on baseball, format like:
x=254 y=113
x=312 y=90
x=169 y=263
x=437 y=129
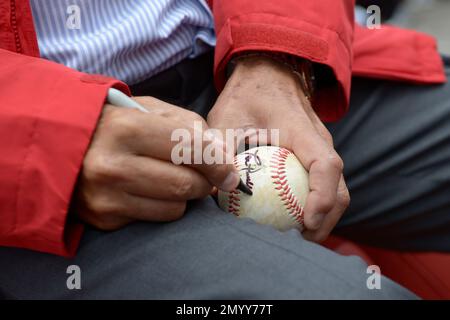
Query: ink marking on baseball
x=252 y=165
x=279 y=184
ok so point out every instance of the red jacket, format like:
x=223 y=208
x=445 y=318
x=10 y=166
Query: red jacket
x=48 y=112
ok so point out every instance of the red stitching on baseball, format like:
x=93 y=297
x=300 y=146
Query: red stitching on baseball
x=233 y=197
x=279 y=178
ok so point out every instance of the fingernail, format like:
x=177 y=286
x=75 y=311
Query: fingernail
x=231 y=182
x=317 y=220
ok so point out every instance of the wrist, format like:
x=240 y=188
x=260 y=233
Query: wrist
x=262 y=73
x=274 y=67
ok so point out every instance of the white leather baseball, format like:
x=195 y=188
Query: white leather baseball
x=279 y=184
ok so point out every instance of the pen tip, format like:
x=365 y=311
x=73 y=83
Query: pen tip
x=244 y=188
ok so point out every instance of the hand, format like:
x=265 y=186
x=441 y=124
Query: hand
x=128 y=175
x=264 y=94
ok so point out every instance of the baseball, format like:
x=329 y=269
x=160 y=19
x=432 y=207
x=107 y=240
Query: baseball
x=279 y=184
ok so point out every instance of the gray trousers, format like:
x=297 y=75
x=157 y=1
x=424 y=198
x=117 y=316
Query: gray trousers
x=395 y=142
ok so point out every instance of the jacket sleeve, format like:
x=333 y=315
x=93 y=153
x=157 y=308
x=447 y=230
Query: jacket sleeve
x=397 y=54
x=48 y=114
x=321 y=31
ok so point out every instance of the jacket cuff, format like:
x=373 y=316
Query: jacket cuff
x=265 y=32
x=397 y=54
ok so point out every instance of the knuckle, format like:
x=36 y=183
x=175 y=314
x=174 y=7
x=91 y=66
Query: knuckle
x=100 y=206
x=211 y=116
x=99 y=167
x=345 y=199
x=189 y=119
x=97 y=203
x=100 y=214
x=328 y=137
x=193 y=116
x=85 y=196
x=214 y=117
x=121 y=124
x=182 y=187
x=336 y=162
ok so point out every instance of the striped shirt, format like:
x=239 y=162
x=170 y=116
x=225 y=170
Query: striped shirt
x=130 y=40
